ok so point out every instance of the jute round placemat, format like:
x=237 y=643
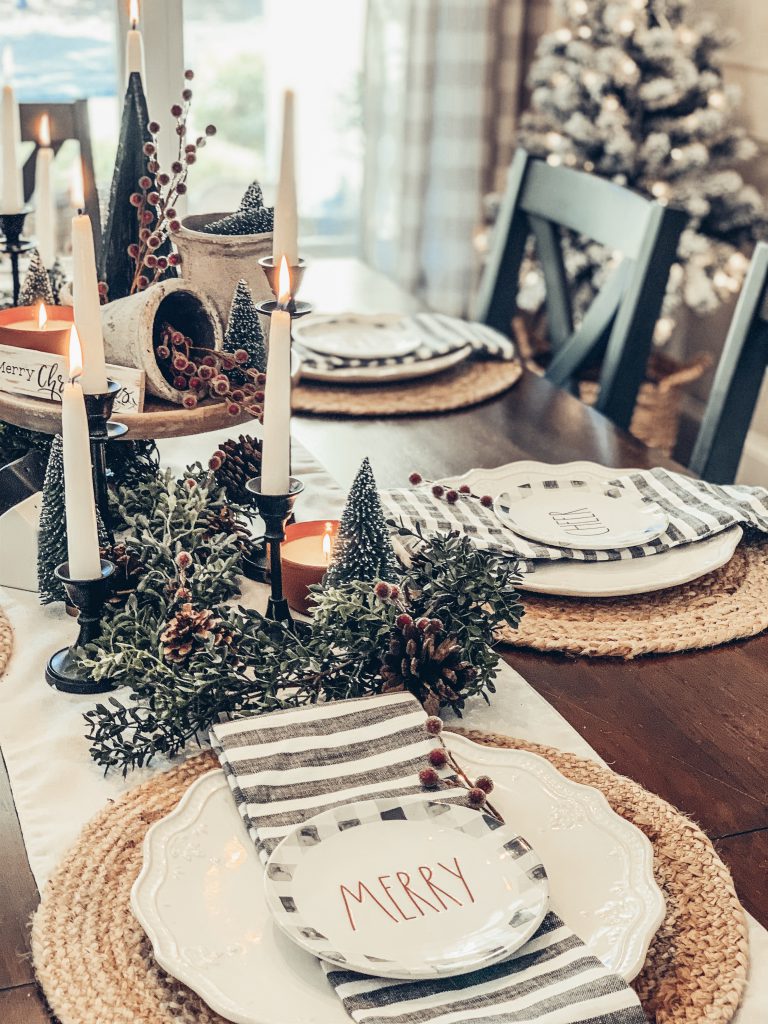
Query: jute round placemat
x=468 y=384
x=95 y=964
x=6 y=641
x=728 y=604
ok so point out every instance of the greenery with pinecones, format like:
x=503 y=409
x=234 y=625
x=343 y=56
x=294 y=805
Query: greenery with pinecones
x=191 y=657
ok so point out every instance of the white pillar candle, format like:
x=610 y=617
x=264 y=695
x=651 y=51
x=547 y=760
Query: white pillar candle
x=276 y=452
x=79 y=500
x=85 y=294
x=45 y=206
x=12 y=199
x=134 y=47
x=285 y=238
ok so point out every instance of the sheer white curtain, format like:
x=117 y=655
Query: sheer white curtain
x=440 y=101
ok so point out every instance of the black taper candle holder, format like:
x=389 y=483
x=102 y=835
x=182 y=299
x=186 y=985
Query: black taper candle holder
x=88 y=596
x=13 y=245
x=98 y=409
x=275 y=510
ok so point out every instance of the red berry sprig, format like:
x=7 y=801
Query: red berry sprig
x=158 y=192
x=440 y=757
x=203 y=372
x=450 y=494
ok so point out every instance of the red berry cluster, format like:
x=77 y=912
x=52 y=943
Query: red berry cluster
x=157 y=192
x=450 y=494
x=439 y=758
x=202 y=372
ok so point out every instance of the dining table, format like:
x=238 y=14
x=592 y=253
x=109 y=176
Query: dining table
x=691 y=727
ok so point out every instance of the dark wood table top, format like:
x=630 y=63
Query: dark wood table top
x=691 y=727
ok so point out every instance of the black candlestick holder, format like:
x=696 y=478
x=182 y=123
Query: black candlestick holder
x=88 y=596
x=101 y=428
x=13 y=245
x=275 y=509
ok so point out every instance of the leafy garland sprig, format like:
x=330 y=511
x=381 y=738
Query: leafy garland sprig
x=264 y=667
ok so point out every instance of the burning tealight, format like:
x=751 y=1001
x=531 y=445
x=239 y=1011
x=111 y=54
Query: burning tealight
x=306 y=554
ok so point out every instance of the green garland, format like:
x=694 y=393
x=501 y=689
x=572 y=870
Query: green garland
x=443 y=611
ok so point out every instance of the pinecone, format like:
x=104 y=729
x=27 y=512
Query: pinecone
x=128 y=571
x=241 y=462
x=190 y=629
x=429 y=662
x=225 y=520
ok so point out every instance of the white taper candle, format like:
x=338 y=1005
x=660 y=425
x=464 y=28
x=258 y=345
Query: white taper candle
x=276 y=453
x=85 y=294
x=285 y=240
x=12 y=198
x=79 y=500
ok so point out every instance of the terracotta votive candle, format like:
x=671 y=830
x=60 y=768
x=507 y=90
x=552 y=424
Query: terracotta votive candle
x=40 y=328
x=305 y=555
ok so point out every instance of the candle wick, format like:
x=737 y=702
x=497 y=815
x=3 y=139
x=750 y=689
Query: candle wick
x=80 y=211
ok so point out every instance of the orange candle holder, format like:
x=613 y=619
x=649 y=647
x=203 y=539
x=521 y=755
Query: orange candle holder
x=301 y=567
x=19 y=326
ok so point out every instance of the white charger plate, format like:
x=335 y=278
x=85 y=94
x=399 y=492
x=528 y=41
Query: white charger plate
x=356 y=335
x=200 y=893
x=468 y=890
x=621 y=578
x=588 y=518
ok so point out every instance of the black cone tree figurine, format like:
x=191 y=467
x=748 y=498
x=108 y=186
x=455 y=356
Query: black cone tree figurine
x=244 y=332
x=117 y=267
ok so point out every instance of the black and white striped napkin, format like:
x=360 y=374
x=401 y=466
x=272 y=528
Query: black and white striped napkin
x=697 y=510
x=287 y=766
x=439 y=334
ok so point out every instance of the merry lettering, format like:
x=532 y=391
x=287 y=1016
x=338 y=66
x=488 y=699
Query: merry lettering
x=579 y=521
x=406 y=896
x=12 y=370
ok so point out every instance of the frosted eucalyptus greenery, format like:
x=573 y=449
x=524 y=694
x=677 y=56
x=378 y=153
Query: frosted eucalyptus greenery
x=632 y=90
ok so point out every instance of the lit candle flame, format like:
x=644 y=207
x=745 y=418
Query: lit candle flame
x=284 y=285
x=77 y=186
x=44 y=135
x=133 y=15
x=7 y=63
x=42 y=317
x=75 y=354
x=327 y=543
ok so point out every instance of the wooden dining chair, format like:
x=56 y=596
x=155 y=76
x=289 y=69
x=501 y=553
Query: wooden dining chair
x=738 y=379
x=68 y=121
x=541 y=200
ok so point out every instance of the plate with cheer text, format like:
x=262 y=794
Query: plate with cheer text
x=577 y=514
x=404 y=888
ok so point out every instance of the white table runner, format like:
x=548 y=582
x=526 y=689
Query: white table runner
x=57 y=788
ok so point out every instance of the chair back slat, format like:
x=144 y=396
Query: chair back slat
x=67 y=121
x=550 y=252
x=542 y=200
x=608 y=214
x=738 y=379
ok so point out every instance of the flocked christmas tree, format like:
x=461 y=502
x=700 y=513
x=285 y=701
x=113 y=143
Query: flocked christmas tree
x=363 y=549
x=633 y=90
x=52 y=537
x=252 y=217
x=244 y=332
x=36 y=286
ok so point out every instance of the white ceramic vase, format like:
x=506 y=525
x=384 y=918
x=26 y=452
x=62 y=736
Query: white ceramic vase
x=132 y=325
x=215 y=263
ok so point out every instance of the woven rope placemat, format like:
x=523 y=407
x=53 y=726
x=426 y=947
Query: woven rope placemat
x=728 y=604
x=95 y=964
x=468 y=384
x=6 y=641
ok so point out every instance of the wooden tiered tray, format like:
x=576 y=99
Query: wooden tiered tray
x=159 y=418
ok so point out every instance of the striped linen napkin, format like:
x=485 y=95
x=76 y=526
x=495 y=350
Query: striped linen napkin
x=287 y=766
x=439 y=334
x=696 y=510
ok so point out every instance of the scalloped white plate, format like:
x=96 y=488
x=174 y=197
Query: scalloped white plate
x=200 y=894
x=603 y=579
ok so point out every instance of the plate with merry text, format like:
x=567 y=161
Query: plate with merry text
x=404 y=888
